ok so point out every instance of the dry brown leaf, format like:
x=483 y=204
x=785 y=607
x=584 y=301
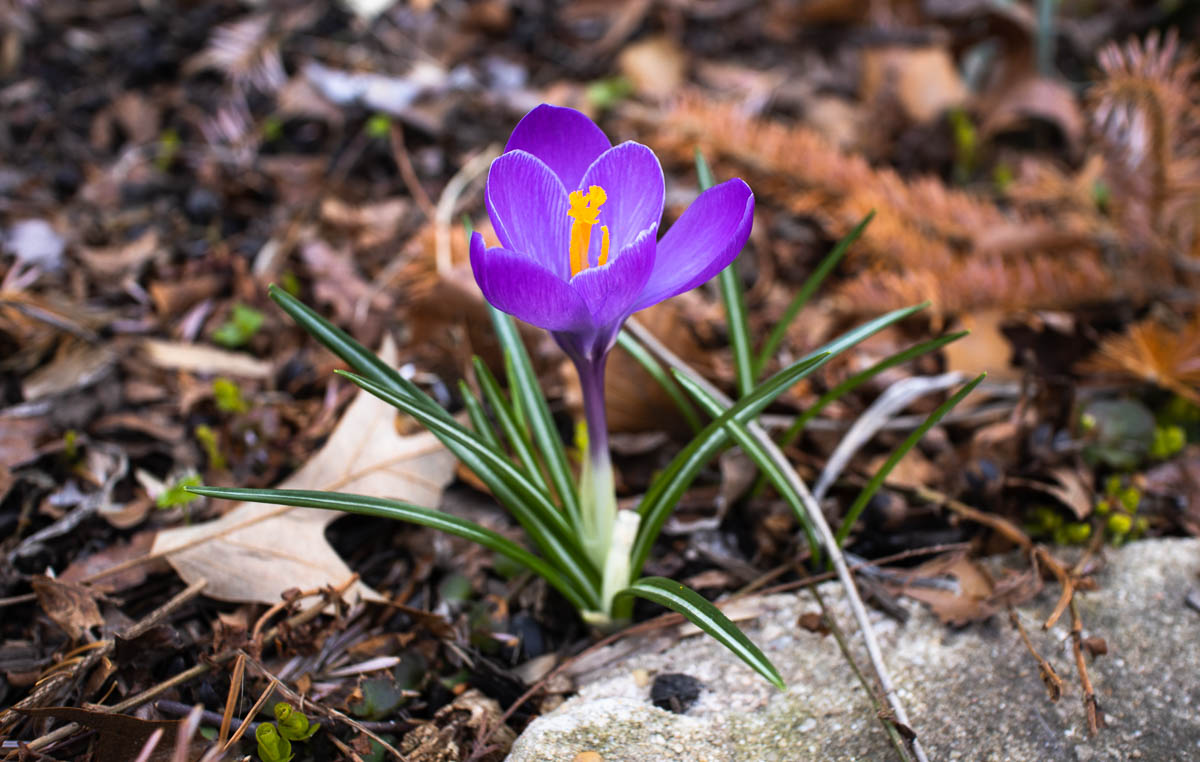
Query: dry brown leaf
x=1038 y=98
x=70 y=606
x=1071 y=490
x=121 y=737
x=969 y=603
x=656 y=66
x=925 y=80
x=199 y=358
x=256 y=552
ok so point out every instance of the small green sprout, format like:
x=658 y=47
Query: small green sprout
x=169 y=144
x=1120 y=523
x=71 y=445
x=1168 y=441
x=208 y=440
x=272 y=129
x=293 y=724
x=290 y=282
x=272 y=746
x=177 y=494
x=243 y=323
x=228 y=396
x=379 y=126
x=606 y=93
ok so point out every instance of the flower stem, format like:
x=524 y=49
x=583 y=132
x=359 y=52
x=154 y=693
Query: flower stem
x=597 y=490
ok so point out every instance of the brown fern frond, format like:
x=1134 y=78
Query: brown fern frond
x=1152 y=352
x=1145 y=112
x=1034 y=281
x=927 y=241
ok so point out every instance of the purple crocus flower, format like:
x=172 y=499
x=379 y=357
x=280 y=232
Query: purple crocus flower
x=577 y=220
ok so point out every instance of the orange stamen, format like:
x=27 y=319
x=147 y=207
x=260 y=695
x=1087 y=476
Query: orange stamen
x=584 y=211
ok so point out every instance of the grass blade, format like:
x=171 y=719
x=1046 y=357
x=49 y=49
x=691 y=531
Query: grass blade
x=753 y=448
x=878 y=478
x=656 y=371
x=735 y=302
x=414 y=514
x=811 y=284
x=528 y=396
x=707 y=617
x=861 y=378
x=668 y=486
x=532 y=509
x=512 y=429
x=365 y=362
x=479 y=420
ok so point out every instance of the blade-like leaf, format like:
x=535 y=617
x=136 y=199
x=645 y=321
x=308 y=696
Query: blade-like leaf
x=365 y=362
x=666 y=489
x=858 y=379
x=512 y=429
x=532 y=509
x=415 y=514
x=811 y=284
x=524 y=385
x=878 y=478
x=479 y=420
x=647 y=361
x=707 y=617
x=735 y=302
x=753 y=448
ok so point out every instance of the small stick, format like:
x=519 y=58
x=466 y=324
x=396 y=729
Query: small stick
x=231 y=699
x=1050 y=678
x=407 y=173
x=247 y=722
x=1095 y=721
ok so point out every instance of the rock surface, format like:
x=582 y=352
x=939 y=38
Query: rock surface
x=971 y=694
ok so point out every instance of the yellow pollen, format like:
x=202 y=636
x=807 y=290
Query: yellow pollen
x=584 y=212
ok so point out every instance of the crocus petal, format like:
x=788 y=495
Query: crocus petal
x=702 y=242
x=524 y=289
x=528 y=207
x=632 y=180
x=611 y=291
x=566 y=140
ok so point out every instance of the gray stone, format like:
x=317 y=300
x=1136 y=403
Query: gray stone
x=972 y=694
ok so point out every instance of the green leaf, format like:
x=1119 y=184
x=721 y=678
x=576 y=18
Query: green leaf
x=858 y=379
x=877 y=480
x=735 y=302
x=635 y=349
x=753 y=448
x=365 y=362
x=178 y=493
x=414 y=514
x=272 y=747
x=707 y=617
x=479 y=420
x=528 y=396
x=243 y=323
x=228 y=396
x=513 y=431
x=530 y=507
x=811 y=284
x=664 y=492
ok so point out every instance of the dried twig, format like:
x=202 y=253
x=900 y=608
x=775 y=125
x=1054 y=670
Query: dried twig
x=1054 y=683
x=1090 y=705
